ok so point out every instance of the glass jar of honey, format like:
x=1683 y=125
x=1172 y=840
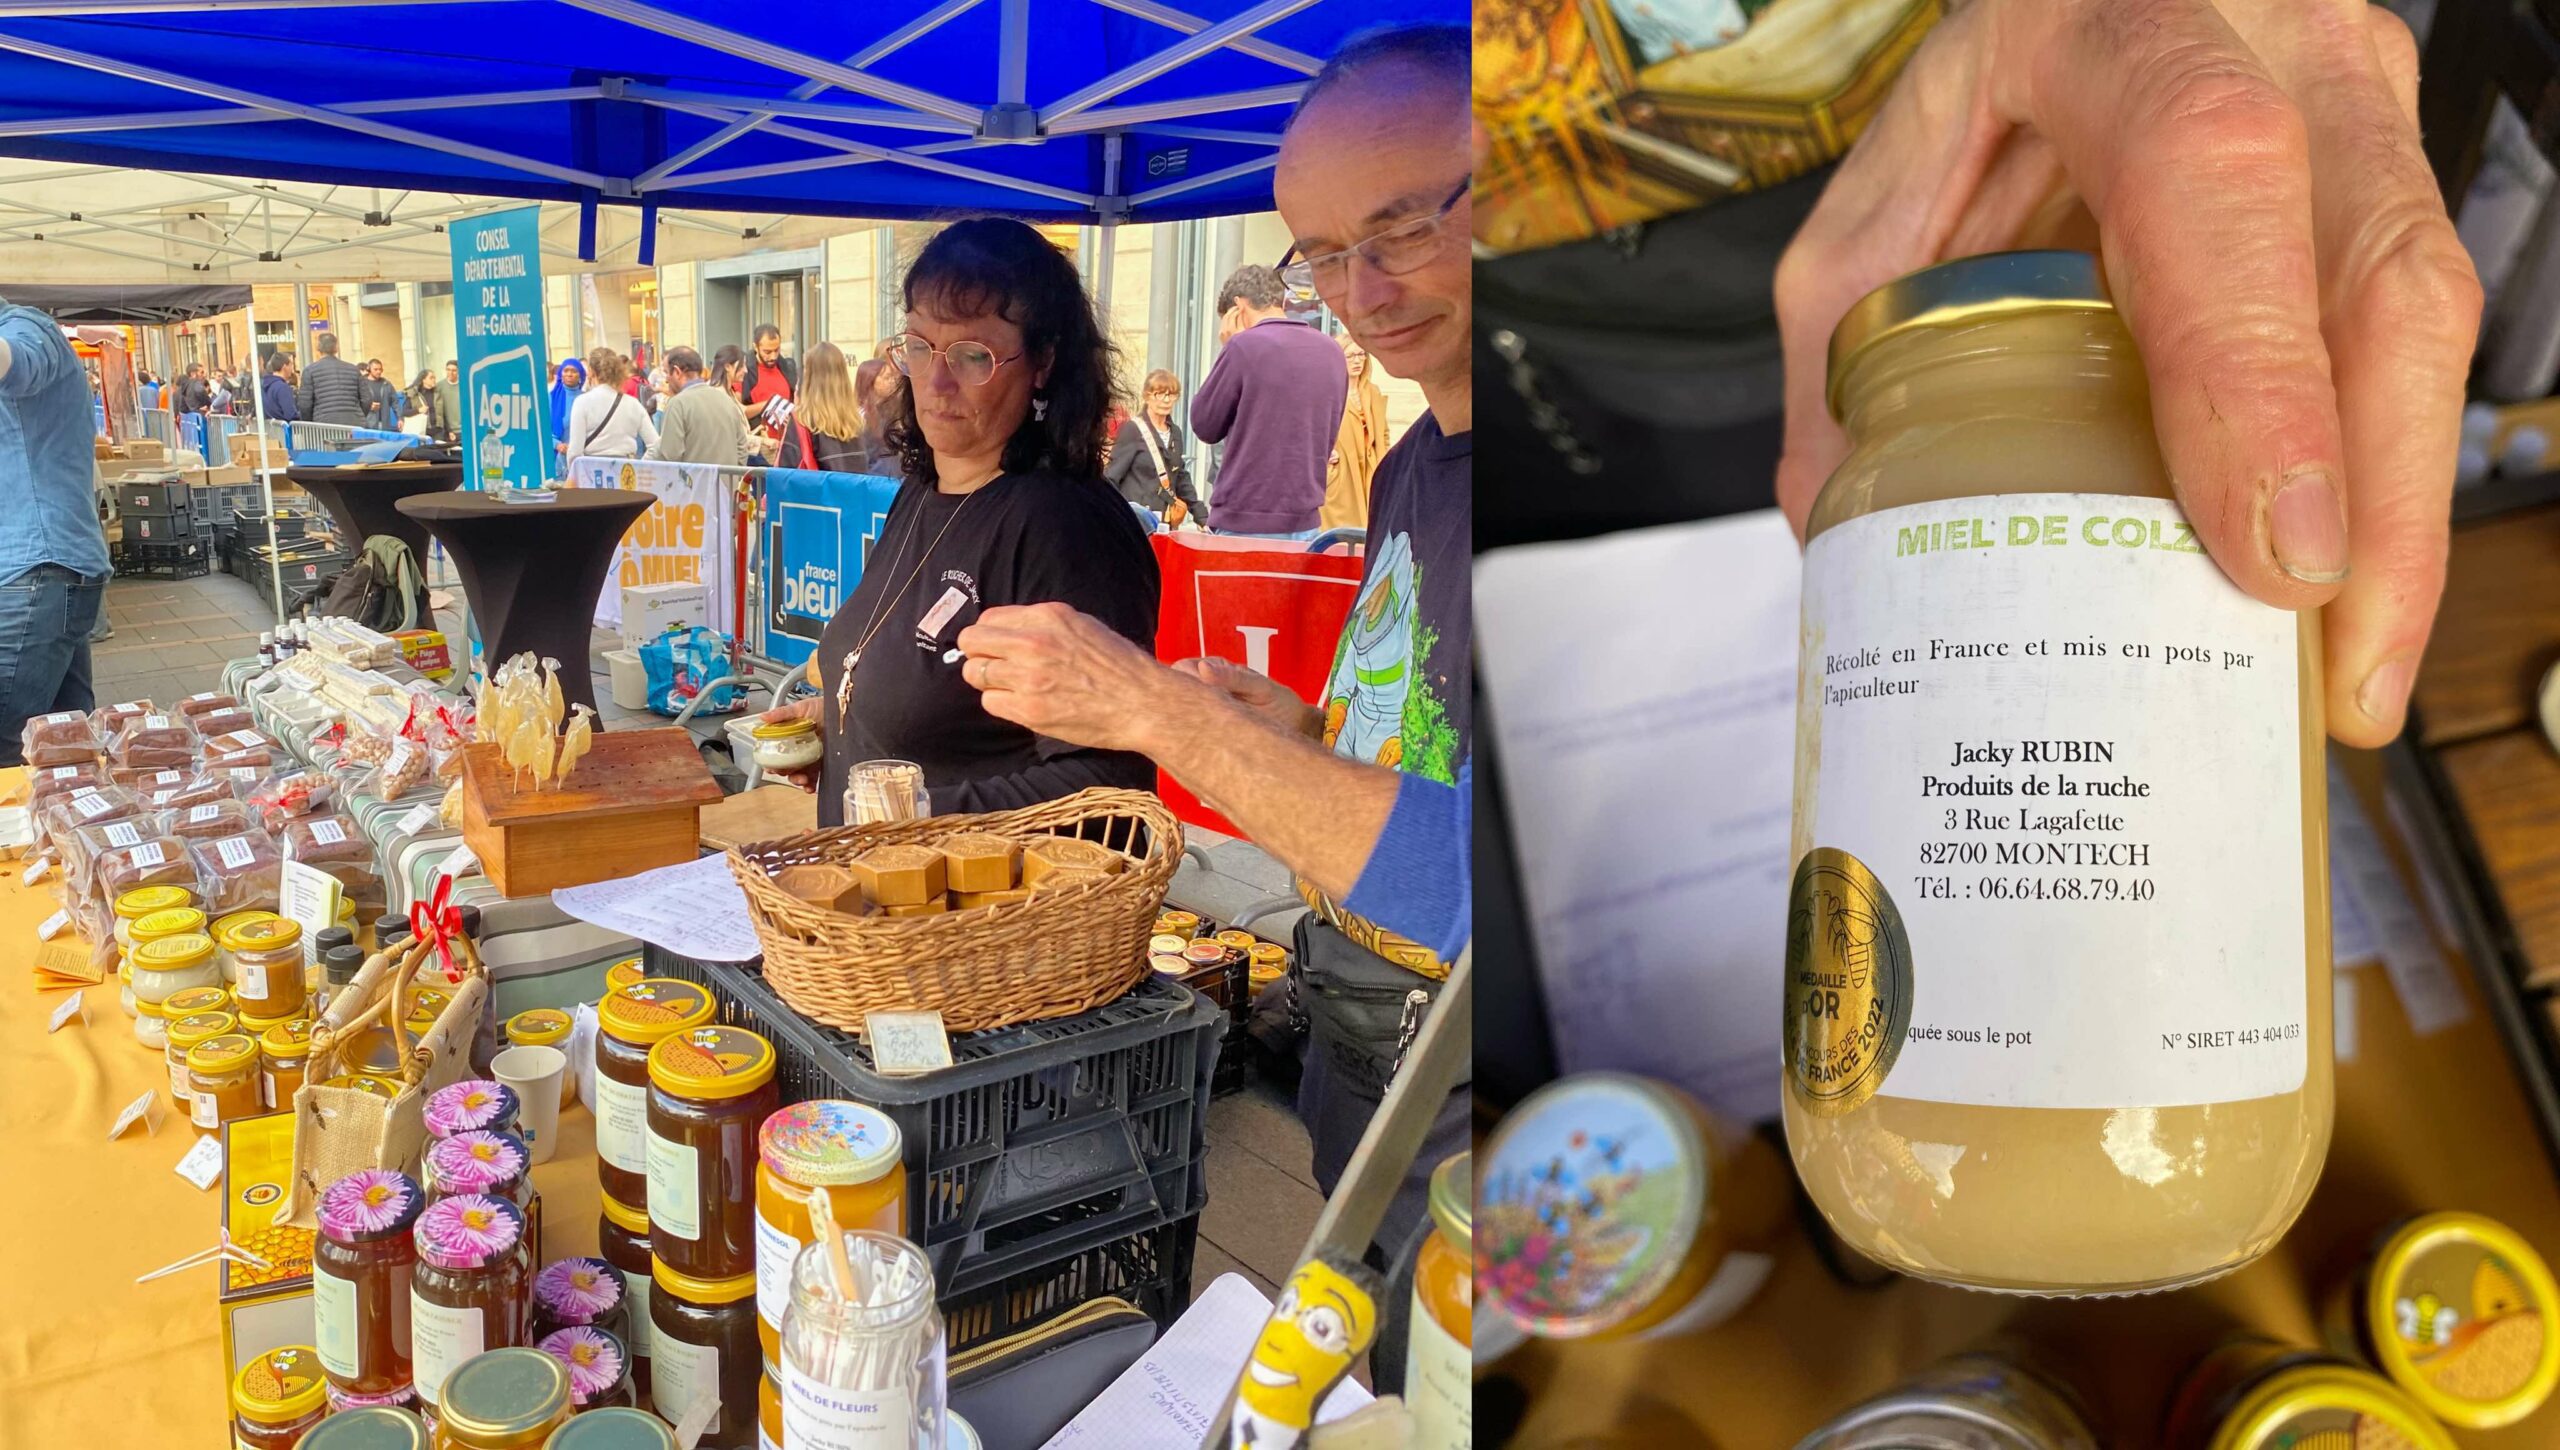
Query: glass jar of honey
x=2057 y=970
x=373 y=1427
x=266 y=966
x=402 y=1399
x=622 y=1240
x=632 y=1019
x=574 y=1293
x=494 y=1165
x=184 y=1033
x=277 y=1398
x=222 y=1080
x=223 y=929
x=507 y=1399
x=420 y=1008
x=847 y=1151
x=613 y=1429
x=2252 y=1393
x=545 y=1027
x=142 y=901
x=706 y=1346
x=367 y=1082
x=599 y=1370
x=474 y=1105
x=710 y=1090
x=177 y=921
x=154 y=969
x=362 y=1262
x=284 y=1055
x=2456 y=1309
x=470 y=1291
x=195 y=1002
x=768 y=1411
x=1439 y=1386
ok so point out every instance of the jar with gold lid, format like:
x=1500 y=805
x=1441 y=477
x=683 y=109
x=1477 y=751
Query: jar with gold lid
x=176 y=921
x=224 y=928
x=2057 y=979
x=1990 y=1398
x=615 y=1429
x=2457 y=1310
x=222 y=1080
x=710 y=1090
x=184 y=1034
x=622 y=1240
x=284 y=1053
x=506 y=1399
x=2252 y=1393
x=371 y=1427
x=623 y=973
x=267 y=966
x=705 y=1349
x=545 y=1027
x=194 y=1001
x=632 y=1019
x=171 y=964
x=787 y=745
x=1439 y=1385
x=143 y=901
x=277 y=1398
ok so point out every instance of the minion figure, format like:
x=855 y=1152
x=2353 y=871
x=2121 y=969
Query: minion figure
x=1327 y=1314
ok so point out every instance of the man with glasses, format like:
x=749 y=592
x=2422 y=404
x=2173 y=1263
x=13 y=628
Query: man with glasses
x=1364 y=794
x=697 y=423
x=1274 y=401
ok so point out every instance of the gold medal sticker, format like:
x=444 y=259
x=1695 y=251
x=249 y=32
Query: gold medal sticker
x=1848 y=983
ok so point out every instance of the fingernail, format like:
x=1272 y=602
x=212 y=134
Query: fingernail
x=2309 y=529
x=2386 y=690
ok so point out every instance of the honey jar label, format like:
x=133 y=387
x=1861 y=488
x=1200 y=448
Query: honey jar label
x=2467 y=1324
x=2065 y=750
x=333 y=1322
x=441 y=1341
x=622 y=1124
x=675 y=1189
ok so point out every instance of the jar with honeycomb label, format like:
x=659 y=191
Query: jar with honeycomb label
x=710 y=1091
x=284 y=1058
x=2456 y=1308
x=266 y=967
x=2252 y=1393
x=184 y=1033
x=2056 y=1004
x=222 y=1080
x=276 y=1398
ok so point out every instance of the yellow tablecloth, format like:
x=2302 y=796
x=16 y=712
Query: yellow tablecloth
x=90 y=1360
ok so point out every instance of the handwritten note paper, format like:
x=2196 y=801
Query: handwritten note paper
x=1166 y=1400
x=144 y=1110
x=905 y=1044
x=203 y=1164
x=75 y=1005
x=694 y=910
x=1643 y=693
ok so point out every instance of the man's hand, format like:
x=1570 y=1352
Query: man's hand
x=1266 y=697
x=1066 y=675
x=2273 y=237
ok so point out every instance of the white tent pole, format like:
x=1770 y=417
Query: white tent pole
x=792 y=168
x=239 y=116
x=781 y=58
x=266 y=479
x=1188 y=24
x=1117 y=118
x=1171 y=58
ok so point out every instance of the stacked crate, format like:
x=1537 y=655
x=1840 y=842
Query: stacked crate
x=162 y=536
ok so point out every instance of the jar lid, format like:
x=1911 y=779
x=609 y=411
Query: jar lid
x=1453 y=1198
x=1969 y=289
x=366 y=1082
x=185 y=1032
x=829 y=1143
x=477 y=1162
x=280 y=1386
x=646 y=1011
x=1269 y=954
x=957 y=1433
x=1204 y=953
x=577 y=1291
x=623 y=973
x=372 y=1427
x=629 y=1220
x=2458 y=1310
x=1243 y=941
x=263 y=934
x=143 y=1006
x=2307 y=1404
x=225 y=926
x=618 y=1428
x=228 y=1053
x=593 y=1357
x=711 y=1063
x=785 y=729
x=257 y=1026
x=173 y=953
x=290 y=1038
x=175 y=921
x=468 y=1231
x=1171 y=966
x=142 y=901
x=1173 y=920
x=504 y=1399
x=371 y=1204
x=469 y=1106
x=540 y=1027
x=701 y=1291
x=1166 y=944
x=188 y=1001
x=1598 y=1167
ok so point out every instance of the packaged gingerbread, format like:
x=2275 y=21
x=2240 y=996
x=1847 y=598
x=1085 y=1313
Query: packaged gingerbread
x=154 y=786
x=65 y=737
x=239 y=873
x=194 y=707
x=210 y=821
x=208 y=786
x=87 y=806
x=152 y=861
x=222 y=722
x=152 y=742
x=108 y=719
x=84 y=846
x=50 y=781
x=332 y=843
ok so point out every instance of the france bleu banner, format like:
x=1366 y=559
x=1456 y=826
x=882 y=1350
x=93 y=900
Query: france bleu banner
x=819 y=531
x=497 y=320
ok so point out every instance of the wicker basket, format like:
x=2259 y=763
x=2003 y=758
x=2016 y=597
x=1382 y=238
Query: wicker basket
x=1066 y=950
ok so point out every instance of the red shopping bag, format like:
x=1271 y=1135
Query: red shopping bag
x=1267 y=606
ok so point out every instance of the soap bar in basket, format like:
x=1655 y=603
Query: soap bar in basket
x=933 y=907
x=972 y=900
x=1068 y=853
x=979 y=861
x=831 y=887
x=1059 y=878
x=901 y=875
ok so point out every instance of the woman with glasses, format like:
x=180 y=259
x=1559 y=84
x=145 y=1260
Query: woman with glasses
x=998 y=433
x=1147 y=463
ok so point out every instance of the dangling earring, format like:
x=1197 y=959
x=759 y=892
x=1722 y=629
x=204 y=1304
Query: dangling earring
x=1039 y=408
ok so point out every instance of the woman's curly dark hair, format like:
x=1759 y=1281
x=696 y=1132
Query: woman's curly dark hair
x=1001 y=266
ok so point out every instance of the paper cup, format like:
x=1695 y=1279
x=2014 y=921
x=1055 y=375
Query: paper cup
x=535 y=1074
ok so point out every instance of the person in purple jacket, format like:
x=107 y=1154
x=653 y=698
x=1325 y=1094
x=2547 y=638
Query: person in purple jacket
x=1275 y=401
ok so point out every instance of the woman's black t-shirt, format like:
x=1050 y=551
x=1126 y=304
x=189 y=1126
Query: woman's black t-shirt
x=1023 y=539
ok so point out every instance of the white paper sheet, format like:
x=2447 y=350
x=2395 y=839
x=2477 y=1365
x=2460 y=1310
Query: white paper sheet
x=1166 y=1400
x=1642 y=689
x=694 y=910
x=2359 y=869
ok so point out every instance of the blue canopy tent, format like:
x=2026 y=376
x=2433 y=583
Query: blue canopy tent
x=1094 y=111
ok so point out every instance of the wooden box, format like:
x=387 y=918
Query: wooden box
x=634 y=804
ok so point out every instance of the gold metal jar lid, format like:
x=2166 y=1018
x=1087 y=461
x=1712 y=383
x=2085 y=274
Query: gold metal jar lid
x=2306 y=1403
x=1969 y=289
x=2458 y=1310
x=504 y=1398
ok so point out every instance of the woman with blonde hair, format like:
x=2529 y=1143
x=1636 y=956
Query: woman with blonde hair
x=1147 y=463
x=1357 y=448
x=825 y=428
x=605 y=421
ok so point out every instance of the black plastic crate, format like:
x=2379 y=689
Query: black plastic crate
x=158 y=528
x=155 y=497
x=179 y=559
x=222 y=500
x=251 y=523
x=1150 y=1268
x=1040 y=1142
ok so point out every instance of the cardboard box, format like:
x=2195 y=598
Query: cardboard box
x=424 y=650
x=262 y=1309
x=148 y=450
x=650 y=610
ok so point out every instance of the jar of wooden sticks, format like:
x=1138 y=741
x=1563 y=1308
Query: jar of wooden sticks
x=862 y=1343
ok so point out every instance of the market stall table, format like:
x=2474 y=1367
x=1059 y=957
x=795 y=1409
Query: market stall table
x=363 y=500
x=2424 y=1122
x=533 y=570
x=88 y=1358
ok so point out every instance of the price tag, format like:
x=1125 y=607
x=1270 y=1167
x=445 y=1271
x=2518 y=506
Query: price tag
x=144 y=1110
x=203 y=1164
x=236 y=852
x=155 y=722
x=244 y=772
x=904 y=1044
x=90 y=807
x=163 y=797
x=53 y=925
x=169 y=777
x=460 y=864
x=123 y=834
x=417 y=820
x=37 y=872
x=328 y=833
x=65 y=772
x=148 y=855
x=198 y=815
x=201 y=695
x=72 y=1006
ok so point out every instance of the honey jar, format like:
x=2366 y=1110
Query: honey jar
x=151 y=1025
x=545 y=1027
x=195 y=1001
x=570 y=1293
x=632 y=1019
x=599 y=1370
x=2251 y=1393
x=222 y=930
x=184 y=1034
x=1438 y=1377
x=851 y=1153
x=705 y=1347
x=507 y=1399
x=470 y=1293
x=710 y=1090
x=144 y=901
x=497 y=1165
x=277 y=1398
x=613 y=1429
x=222 y=1080
x=154 y=969
x=472 y=1106
x=284 y=1053
x=363 y=1260
x=266 y=966
x=370 y=1427
x=177 y=921
x=1184 y=924
x=623 y=973
x=622 y=1240
x=2456 y=1309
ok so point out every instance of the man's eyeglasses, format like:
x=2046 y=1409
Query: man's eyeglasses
x=1397 y=250
x=973 y=363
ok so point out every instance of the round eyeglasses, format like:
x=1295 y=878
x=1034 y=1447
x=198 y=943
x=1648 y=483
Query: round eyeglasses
x=972 y=363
